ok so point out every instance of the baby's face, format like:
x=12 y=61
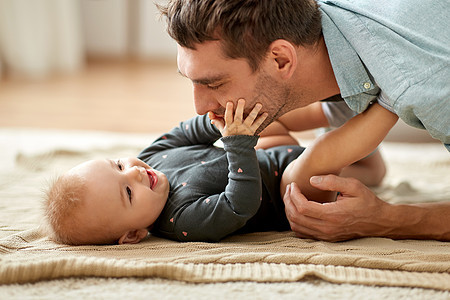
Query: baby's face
x=126 y=194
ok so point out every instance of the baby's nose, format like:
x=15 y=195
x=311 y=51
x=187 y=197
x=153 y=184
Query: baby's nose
x=137 y=172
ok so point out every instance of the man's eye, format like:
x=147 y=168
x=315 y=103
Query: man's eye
x=214 y=87
x=129 y=193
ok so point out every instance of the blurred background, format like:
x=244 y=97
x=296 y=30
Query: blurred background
x=89 y=65
x=97 y=65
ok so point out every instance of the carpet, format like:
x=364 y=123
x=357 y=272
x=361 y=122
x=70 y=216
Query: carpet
x=416 y=173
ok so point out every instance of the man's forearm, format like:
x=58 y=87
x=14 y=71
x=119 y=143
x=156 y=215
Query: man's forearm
x=419 y=221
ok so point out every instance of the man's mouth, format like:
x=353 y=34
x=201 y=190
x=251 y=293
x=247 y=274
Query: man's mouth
x=153 y=179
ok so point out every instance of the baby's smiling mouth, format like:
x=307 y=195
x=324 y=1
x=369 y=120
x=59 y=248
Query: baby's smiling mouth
x=153 y=179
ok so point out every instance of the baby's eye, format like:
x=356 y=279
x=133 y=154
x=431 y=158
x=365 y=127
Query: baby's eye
x=119 y=165
x=129 y=193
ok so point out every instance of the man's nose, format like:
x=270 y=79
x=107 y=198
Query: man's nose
x=203 y=101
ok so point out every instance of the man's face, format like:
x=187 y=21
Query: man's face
x=217 y=80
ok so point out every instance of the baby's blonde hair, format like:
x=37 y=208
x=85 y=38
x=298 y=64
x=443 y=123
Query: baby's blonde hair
x=61 y=208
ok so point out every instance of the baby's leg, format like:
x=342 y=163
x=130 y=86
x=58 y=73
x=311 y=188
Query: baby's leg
x=369 y=170
x=275 y=135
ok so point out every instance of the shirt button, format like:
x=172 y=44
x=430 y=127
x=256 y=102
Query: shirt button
x=367 y=85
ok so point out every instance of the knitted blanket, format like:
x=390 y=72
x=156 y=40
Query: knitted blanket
x=417 y=173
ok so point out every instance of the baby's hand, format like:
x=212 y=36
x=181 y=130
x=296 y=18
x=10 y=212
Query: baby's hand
x=233 y=123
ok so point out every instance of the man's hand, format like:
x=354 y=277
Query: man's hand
x=234 y=123
x=357 y=212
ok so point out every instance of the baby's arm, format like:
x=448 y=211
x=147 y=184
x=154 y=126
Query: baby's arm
x=331 y=152
x=195 y=131
x=214 y=216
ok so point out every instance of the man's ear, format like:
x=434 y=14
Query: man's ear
x=283 y=54
x=133 y=236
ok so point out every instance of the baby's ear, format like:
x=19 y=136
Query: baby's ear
x=133 y=237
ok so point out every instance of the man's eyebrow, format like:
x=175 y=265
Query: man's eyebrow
x=121 y=190
x=206 y=80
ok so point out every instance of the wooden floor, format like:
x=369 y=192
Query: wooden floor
x=119 y=96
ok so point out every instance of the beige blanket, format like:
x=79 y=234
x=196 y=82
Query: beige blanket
x=416 y=173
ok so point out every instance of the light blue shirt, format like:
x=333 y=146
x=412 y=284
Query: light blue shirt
x=396 y=52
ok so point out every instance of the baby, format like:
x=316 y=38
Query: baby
x=194 y=191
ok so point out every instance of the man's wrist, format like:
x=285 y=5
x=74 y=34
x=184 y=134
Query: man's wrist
x=421 y=221
x=402 y=221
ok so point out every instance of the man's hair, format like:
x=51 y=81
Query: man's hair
x=246 y=28
x=61 y=207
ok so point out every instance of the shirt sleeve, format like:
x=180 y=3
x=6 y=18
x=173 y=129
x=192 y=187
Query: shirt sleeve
x=213 y=217
x=195 y=131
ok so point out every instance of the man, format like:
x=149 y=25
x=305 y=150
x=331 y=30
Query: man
x=294 y=53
